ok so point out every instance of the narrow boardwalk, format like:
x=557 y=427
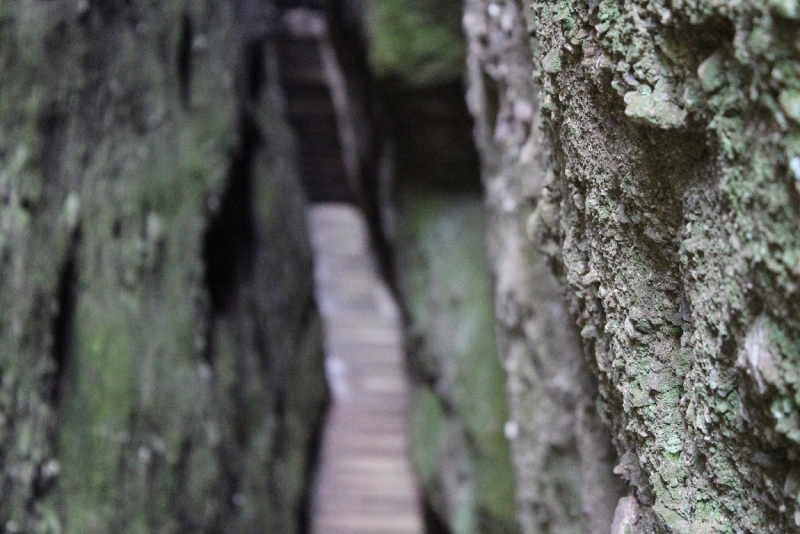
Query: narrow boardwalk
x=365 y=484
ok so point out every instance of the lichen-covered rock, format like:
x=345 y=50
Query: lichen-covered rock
x=563 y=456
x=670 y=209
x=161 y=356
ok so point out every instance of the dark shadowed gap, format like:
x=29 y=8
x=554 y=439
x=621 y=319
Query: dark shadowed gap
x=230 y=239
x=306 y=4
x=255 y=69
x=492 y=99
x=63 y=324
x=433 y=523
x=432 y=131
x=185 y=59
x=314 y=447
x=53 y=385
x=229 y=250
x=313 y=452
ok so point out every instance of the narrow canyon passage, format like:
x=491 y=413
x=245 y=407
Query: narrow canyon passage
x=364 y=483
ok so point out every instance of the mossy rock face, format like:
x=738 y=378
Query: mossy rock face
x=458 y=404
x=415 y=42
x=458 y=401
x=668 y=201
x=161 y=361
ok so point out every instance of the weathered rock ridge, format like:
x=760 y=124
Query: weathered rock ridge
x=562 y=450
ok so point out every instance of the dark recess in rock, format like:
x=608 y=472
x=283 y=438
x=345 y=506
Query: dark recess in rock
x=230 y=237
x=185 y=59
x=63 y=325
x=254 y=68
x=433 y=523
x=433 y=134
x=313 y=450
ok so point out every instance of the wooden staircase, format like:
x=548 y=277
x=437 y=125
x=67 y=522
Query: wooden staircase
x=318 y=109
x=364 y=483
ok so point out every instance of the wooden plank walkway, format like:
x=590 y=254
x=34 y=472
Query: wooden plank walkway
x=364 y=484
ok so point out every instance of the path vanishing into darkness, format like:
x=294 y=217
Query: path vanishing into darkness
x=364 y=482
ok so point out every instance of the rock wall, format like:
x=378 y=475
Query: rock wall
x=663 y=185
x=436 y=231
x=563 y=455
x=458 y=406
x=161 y=355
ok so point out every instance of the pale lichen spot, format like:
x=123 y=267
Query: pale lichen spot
x=711 y=72
x=757 y=357
x=653 y=109
x=794 y=165
x=552 y=62
x=789 y=100
x=511 y=430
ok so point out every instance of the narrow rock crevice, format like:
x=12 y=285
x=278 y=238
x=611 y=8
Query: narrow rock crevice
x=230 y=248
x=185 y=59
x=255 y=69
x=63 y=324
x=313 y=451
x=230 y=239
x=54 y=383
x=434 y=524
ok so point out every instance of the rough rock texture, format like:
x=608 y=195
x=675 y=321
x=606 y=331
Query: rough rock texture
x=161 y=359
x=563 y=455
x=670 y=205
